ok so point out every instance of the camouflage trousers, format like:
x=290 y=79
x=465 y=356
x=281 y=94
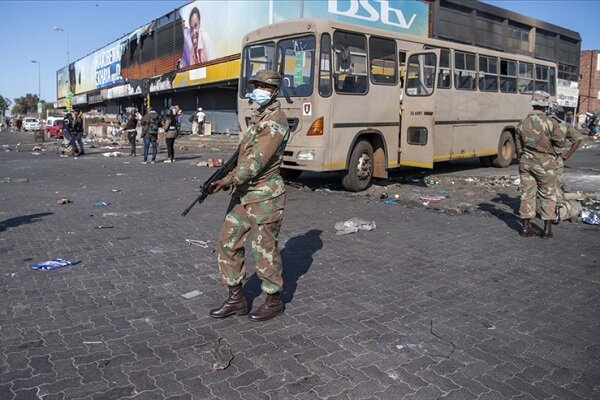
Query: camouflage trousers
x=260 y=222
x=538 y=182
x=560 y=181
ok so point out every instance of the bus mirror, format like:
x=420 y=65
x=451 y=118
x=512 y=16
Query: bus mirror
x=343 y=58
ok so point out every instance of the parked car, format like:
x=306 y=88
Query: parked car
x=31 y=124
x=55 y=129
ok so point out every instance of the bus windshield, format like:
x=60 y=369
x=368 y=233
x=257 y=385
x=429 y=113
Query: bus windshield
x=295 y=61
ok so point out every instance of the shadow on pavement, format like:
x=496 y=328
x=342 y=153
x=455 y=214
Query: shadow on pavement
x=297 y=259
x=22 y=220
x=511 y=219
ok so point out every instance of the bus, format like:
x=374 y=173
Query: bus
x=363 y=101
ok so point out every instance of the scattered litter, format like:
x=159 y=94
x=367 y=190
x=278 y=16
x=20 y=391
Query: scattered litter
x=470 y=180
x=155 y=250
x=427 y=200
x=431 y=181
x=487 y=325
x=202 y=164
x=55 y=263
x=383 y=196
x=215 y=162
x=192 y=294
x=354 y=225
x=15 y=180
x=221 y=354
x=116 y=190
x=183 y=148
x=35 y=153
x=121 y=174
x=590 y=217
x=64 y=200
x=104 y=227
x=416 y=190
x=100 y=204
x=390 y=201
x=36 y=148
x=113 y=154
x=199 y=243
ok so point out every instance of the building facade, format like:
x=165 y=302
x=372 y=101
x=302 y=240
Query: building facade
x=589 y=83
x=176 y=58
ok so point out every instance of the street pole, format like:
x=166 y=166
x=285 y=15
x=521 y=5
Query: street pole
x=59 y=29
x=39 y=84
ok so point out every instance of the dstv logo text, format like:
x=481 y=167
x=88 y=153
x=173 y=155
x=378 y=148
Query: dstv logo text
x=371 y=10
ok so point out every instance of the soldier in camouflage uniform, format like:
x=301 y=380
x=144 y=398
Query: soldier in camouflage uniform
x=538 y=138
x=256 y=207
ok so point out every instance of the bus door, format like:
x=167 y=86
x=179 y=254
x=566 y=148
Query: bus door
x=417 y=110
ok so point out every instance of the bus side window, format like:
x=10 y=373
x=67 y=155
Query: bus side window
x=325 y=66
x=444 y=80
x=508 y=76
x=350 y=62
x=382 y=60
x=525 y=79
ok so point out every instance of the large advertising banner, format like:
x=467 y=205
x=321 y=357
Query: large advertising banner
x=62 y=82
x=205 y=39
x=107 y=63
x=97 y=70
x=204 y=22
x=403 y=16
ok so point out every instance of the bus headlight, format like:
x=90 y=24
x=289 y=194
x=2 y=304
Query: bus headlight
x=306 y=155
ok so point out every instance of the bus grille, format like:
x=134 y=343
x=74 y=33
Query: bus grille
x=292 y=122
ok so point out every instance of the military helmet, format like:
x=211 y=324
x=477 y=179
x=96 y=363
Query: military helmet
x=267 y=77
x=540 y=98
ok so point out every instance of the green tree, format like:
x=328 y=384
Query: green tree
x=26 y=104
x=4 y=104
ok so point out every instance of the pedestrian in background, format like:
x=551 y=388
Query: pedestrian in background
x=131 y=130
x=68 y=136
x=78 y=132
x=538 y=138
x=256 y=207
x=150 y=123
x=170 y=127
x=197 y=120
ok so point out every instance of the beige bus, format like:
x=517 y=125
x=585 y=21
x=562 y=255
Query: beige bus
x=362 y=101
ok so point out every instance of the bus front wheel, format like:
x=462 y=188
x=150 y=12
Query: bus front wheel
x=360 y=169
x=506 y=151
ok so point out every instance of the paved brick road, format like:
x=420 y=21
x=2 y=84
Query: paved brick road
x=426 y=306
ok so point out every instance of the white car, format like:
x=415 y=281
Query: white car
x=31 y=124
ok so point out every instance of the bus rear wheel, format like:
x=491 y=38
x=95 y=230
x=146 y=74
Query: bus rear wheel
x=360 y=168
x=506 y=151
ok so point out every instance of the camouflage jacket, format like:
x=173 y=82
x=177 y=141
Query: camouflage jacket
x=256 y=176
x=540 y=138
x=571 y=135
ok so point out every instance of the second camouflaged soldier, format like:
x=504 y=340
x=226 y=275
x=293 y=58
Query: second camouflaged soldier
x=538 y=138
x=256 y=207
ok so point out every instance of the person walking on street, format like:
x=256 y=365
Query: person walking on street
x=68 y=136
x=538 y=138
x=78 y=132
x=197 y=120
x=150 y=123
x=170 y=127
x=131 y=130
x=256 y=207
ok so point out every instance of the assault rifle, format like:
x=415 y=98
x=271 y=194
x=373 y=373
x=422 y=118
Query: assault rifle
x=207 y=187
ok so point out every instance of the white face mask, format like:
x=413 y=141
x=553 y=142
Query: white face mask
x=260 y=96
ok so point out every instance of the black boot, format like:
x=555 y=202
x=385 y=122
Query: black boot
x=527 y=229
x=272 y=307
x=235 y=304
x=547 y=234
